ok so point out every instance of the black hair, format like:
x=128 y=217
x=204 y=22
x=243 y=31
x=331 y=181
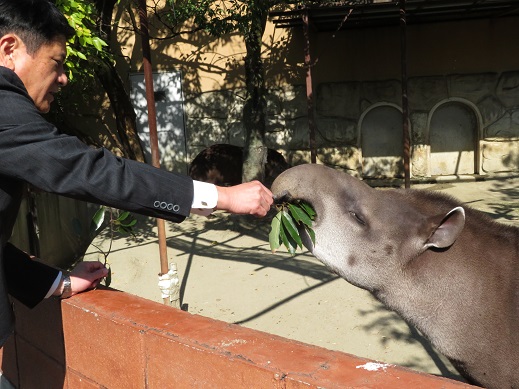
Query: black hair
x=36 y=22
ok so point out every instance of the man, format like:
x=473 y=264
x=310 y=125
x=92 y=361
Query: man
x=33 y=35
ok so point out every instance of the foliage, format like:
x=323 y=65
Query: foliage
x=285 y=226
x=226 y=16
x=248 y=18
x=119 y=221
x=86 y=44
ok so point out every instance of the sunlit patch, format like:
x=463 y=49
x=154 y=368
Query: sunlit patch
x=374 y=366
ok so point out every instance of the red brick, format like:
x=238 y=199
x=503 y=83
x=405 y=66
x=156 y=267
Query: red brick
x=131 y=309
x=42 y=327
x=9 y=364
x=185 y=350
x=37 y=370
x=172 y=364
x=106 y=351
x=77 y=381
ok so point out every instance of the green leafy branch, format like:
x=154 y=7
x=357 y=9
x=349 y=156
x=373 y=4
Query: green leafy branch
x=85 y=44
x=285 y=226
x=121 y=222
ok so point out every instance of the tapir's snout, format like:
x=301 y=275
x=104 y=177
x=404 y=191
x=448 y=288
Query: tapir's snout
x=281 y=197
x=297 y=183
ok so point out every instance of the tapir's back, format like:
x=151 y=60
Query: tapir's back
x=487 y=252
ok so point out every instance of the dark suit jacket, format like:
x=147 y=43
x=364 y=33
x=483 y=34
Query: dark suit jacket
x=33 y=151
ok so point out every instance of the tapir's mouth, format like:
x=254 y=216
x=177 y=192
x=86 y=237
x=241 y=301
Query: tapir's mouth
x=280 y=200
x=282 y=197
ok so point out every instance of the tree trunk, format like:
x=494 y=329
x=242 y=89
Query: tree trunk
x=114 y=88
x=254 y=113
x=123 y=109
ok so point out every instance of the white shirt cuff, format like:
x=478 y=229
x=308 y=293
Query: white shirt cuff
x=205 y=198
x=54 y=285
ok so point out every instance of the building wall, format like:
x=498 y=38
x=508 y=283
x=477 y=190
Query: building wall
x=461 y=74
x=462 y=91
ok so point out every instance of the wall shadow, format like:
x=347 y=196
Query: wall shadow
x=34 y=356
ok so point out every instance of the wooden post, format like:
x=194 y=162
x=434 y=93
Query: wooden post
x=309 y=88
x=152 y=123
x=405 y=100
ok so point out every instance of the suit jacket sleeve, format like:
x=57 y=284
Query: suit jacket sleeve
x=32 y=150
x=27 y=280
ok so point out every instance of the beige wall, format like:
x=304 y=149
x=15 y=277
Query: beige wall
x=207 y=63
x=474 y=62
x=433 y=49
x=359 y=54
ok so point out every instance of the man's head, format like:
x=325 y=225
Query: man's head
x=33 y=35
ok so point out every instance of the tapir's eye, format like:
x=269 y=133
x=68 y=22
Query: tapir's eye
x=357 y=218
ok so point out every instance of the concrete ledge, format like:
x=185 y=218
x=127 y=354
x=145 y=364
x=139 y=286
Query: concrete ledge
x=400 y=182
x=110 y=339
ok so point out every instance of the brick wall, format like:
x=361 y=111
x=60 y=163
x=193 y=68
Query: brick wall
x=110 y=339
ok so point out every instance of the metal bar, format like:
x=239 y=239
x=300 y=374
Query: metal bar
x=417 y=11
x=152 y=123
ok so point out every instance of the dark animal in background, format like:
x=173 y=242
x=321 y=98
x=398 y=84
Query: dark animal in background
x=222 y=165
x=446 y=268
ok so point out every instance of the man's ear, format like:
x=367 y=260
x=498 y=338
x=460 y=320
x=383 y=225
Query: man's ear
x=8 y=45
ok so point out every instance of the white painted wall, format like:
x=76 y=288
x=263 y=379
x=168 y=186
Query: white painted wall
x=170 y=118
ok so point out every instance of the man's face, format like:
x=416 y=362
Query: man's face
x=42 y=72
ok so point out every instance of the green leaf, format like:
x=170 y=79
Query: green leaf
x=98 y=218
x=285 y=226
x=123 y=230
x=81 y=55
x=98 y=43
x=291 y=228
x=130 y=224
x=311 y=233
x=299 y=215
x=123 y=216
x=289 y=244
x=274 y=238
x=308 y=209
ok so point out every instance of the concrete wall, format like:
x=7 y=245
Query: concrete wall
x=464 y=72
x=462 y=93
x=108 y=339
x=477 y=113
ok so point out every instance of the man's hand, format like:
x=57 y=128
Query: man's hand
x=249 y=198
x=87 y=275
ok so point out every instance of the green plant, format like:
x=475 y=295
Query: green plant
x=285 y=226
x=119 y=221
x=85 y=44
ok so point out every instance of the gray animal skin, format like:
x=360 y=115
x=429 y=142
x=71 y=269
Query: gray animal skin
x=449 y=270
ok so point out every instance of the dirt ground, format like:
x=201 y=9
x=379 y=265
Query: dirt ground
x=228 y=273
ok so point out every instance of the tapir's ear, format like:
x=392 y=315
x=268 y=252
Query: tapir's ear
x=447 y=231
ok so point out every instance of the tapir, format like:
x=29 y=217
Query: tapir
x=448 y=269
